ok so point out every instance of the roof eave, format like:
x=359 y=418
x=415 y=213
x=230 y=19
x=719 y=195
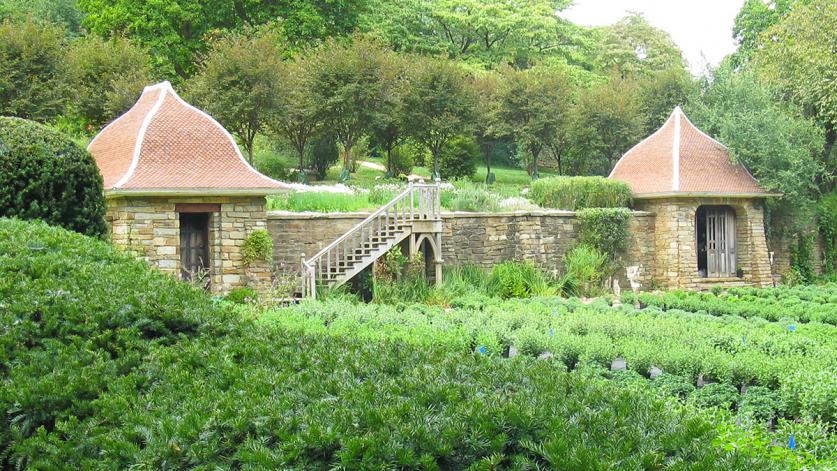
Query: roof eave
x=705 y=194
x=191 y=192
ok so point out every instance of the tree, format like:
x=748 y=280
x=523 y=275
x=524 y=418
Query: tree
x=607 y=122
x=349 y=83
x=387 y=126
x=32 y=69
x=439 y=104
x=662 y=91
x=484 y=89
x=752 y=20
x=238 y=83
x=107 y=77
x=177 y=30
x=64 y=13
x=798 y=58
x=45 y=175
x=633 y=47
x=486 y=31
x=533 y=105
x=296 y=116
x=777 y=144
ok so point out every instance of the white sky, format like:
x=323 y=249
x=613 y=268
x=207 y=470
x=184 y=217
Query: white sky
x=702 y=28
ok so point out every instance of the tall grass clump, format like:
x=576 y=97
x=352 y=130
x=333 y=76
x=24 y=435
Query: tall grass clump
x=573 y=193
x=584 y=268
x=319 y=201
x=465 y=195
x=520 y=280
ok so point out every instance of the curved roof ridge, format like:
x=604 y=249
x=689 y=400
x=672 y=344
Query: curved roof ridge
x=659 y=130
x=222 y=129
x=164 y=87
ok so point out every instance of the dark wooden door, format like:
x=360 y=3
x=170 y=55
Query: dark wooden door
x=194 y=245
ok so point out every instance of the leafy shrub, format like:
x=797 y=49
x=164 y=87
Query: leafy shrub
x=257 y=246
x=573 y=193
x=519 y=280
x=673 y=385
x=323 y=155
x=44 y=175
x=242 y=295
x=717 y=395
x=584 y=270
x=459 y=158
x=759 y=403
x=402 y=161
x=271 y=166
x=475 y=199
x=605 y=229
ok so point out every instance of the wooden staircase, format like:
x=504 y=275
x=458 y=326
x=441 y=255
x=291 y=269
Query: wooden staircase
x=414 y=212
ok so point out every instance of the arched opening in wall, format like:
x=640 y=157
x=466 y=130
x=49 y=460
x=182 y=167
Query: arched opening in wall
x=715 y=241
x=427 y=248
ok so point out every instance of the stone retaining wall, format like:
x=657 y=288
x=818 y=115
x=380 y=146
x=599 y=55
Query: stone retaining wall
x=482 y=239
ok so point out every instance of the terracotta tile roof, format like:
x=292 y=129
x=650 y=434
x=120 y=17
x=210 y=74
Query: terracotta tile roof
x=165 y=145
x=680 y=158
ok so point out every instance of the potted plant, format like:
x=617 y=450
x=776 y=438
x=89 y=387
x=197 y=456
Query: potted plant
x=739 y=272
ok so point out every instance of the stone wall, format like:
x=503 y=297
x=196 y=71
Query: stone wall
x=675 y=244
x=482 y=239
x=149 y=227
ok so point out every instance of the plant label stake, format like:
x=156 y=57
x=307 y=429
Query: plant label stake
x=792 y=442
x=792 y=327
x=551 y=332
x=482 y=350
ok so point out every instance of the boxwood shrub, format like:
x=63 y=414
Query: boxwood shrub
x=573 y=193
x=45 y=175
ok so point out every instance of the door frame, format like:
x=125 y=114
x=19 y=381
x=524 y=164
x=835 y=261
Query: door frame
x=203 y=221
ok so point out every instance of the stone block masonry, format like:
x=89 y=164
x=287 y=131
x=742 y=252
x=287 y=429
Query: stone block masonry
x=149 y=228
x=482 y=239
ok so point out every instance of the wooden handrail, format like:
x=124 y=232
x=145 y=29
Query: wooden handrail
x=401 y=209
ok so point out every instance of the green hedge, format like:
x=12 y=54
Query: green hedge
x=606 y=229
x=110 y=365
x=45 y=175
x=573 y=193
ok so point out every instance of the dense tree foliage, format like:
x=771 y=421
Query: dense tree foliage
x=440 y=104
x=107 y=77
x=633 y=47
x=238 y=83
x=32 y=83
x=64 y=13
x=175 y=30
x=799 y=57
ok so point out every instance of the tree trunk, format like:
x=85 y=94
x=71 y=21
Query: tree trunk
x=347 y=157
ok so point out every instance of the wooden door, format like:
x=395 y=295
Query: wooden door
x=720 y=241
x=194 y=246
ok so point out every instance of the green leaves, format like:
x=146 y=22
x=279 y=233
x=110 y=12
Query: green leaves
x=45 y=175
x=574 y=193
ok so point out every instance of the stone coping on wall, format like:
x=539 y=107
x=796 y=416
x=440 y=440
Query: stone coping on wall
x=448 y=214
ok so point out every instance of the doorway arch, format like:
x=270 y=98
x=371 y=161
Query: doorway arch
x=715 y=240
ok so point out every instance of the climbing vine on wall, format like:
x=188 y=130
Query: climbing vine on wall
x=257 y=246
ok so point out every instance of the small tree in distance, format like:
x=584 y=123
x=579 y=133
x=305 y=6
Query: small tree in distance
x=439 y=105
x=238 y=83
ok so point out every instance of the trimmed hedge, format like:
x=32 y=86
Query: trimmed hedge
x=45 y=175
x=573 y=193
x=110 y=365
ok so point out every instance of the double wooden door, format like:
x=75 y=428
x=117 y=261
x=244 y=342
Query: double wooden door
x=194 y=246
x=720 y=241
